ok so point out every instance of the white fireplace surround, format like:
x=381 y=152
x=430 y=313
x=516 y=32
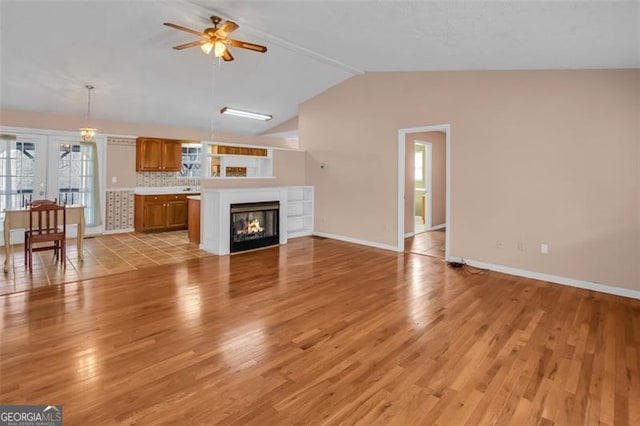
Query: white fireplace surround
x=215 y=214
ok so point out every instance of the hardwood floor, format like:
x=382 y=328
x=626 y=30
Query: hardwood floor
x=430 y=243
x=321 y=331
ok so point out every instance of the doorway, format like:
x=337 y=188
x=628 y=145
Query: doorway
x=55 y=165
x=422 y=179
x=424 y=190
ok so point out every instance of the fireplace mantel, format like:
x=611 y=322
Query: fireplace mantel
x=214 y=213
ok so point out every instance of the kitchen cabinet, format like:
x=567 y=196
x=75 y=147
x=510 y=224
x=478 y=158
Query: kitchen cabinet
x=176 y=214
x=160 y=212
x=193 y=209
x=158 y=155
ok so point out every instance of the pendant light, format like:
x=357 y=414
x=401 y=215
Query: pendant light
x=88 y=133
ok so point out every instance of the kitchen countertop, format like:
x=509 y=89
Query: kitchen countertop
x=163 y=190
x=193 y=197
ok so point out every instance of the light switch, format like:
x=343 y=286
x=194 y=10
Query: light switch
x=114 y=179
x=544 y=248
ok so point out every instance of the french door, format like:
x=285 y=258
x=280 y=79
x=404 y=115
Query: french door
x=51 y=167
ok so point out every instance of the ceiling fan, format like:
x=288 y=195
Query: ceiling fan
x=216 y=39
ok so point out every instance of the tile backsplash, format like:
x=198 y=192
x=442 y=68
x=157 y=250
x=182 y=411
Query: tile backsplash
x=120 y=210
x=120 y=204
x=164 y=179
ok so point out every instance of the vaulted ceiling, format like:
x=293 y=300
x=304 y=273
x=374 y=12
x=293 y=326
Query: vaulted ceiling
x=49 y=50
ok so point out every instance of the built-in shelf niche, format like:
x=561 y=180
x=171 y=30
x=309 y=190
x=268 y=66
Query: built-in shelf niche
x=228 y=161
x=299 y=211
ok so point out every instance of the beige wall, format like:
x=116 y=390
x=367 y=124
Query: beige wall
x=121 y=163
x=288 y=164
x=64 y=122
x=290 y=125
x=288 y=169
x=537 y=156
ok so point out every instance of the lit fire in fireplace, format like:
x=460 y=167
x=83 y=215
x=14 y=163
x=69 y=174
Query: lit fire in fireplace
x=254 y=225
x=250 y=227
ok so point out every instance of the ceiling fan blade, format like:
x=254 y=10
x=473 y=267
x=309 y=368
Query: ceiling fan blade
x=227 y=28
x=192 y=44
x=194 y=32
x=245 y=45
x=227 y=56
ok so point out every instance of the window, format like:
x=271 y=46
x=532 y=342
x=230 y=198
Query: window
x=17 y=172
x=418 y=166
x=190 y=160
x=17 y=163
x=58 y=166
x=77 y=181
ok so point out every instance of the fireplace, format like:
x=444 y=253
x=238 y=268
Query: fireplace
x=254 y=225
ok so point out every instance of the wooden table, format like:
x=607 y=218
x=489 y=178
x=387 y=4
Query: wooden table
x=19 y=219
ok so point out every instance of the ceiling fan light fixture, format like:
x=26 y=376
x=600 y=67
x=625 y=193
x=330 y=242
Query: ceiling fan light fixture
x=206 y=48
x=87 y=134
x=245 y=114
x=219 y=49
x=216 y=39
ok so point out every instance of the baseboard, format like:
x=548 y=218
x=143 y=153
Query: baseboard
x=441 y=226
x=409 y=234
x=299 y=234
x=357 y=241
x=118 y=231
x=571 y=282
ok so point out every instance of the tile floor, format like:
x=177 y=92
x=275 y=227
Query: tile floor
x=103 y=255
x=430 y=243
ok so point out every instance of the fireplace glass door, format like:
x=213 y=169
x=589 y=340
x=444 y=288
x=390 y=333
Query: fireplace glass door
x=254 y=225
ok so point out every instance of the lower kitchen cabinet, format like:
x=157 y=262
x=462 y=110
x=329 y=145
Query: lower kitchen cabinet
x=193 y=212
x=160 y=212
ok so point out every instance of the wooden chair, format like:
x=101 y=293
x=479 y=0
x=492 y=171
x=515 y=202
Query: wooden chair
x=46 y=226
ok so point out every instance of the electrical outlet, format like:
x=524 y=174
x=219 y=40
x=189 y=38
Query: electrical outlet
x=114 y=179
x=521 y=246
x=544 y=248
x=499 y=245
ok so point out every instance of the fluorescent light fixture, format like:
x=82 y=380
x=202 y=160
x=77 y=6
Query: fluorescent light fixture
x=245 y=114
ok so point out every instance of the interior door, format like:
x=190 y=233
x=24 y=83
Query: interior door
x=420 y=181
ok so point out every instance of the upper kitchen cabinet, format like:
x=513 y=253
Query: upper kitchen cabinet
x=158 y=155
